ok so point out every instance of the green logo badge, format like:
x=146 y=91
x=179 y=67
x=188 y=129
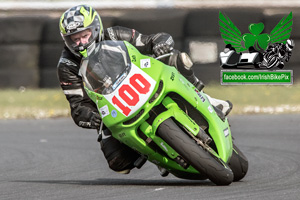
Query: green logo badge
x=252 y=58
x=256 y=38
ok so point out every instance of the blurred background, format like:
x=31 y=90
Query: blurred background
x=30 y=43
x=30 y=46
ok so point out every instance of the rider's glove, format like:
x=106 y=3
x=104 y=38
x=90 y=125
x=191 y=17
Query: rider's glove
x=94 y=123
x=162 y=48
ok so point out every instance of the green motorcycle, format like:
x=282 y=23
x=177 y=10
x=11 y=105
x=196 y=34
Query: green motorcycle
x=152 y=108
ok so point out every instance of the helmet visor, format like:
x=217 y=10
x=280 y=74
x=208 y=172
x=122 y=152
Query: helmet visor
x=80 y=40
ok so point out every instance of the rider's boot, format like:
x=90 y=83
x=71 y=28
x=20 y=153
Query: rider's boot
x=224 y=106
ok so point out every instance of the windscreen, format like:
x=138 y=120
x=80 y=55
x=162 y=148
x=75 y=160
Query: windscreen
x=104 y=70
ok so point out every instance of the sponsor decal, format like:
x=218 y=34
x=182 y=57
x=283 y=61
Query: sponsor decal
x=133 y=58
x=104 y=111
x=119 y=81
x=114 y=113
x=211 y=110
x=172 y=76
x=226 y=132
x=145 y=63
x=73 y=25
x=111 y=34
x=67 y=62
x=200 y=95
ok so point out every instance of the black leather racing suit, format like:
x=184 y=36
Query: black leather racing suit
x=68 y=67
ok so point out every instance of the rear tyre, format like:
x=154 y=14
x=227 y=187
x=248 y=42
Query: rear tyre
x=216 y=170
x=238 y=164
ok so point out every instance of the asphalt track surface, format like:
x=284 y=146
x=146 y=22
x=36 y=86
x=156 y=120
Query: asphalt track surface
x=54 y=159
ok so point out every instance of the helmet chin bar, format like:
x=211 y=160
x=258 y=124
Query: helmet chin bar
x=88 y=51
x=84 y=53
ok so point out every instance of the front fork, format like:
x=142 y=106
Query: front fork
x=187 y=123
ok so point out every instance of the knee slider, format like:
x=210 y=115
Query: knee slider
x=118 y=164
x=119 y=157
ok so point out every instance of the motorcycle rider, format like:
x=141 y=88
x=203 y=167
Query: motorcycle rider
x=276 y=54
x=81 y=28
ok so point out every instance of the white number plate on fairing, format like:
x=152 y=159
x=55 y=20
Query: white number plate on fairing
x=133 y=93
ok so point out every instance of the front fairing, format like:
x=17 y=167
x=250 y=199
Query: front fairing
x=119 y=87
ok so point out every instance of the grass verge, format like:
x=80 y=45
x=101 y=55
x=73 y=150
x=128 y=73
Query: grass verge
x=272 y=99
x=33 y=103
x=45 y=103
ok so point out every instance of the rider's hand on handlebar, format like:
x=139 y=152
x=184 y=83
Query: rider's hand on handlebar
x=95 y=120
x=94 y=123
x=162 y=48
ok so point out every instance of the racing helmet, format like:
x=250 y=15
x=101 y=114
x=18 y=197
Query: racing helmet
x=290 y=44
x=77 y=19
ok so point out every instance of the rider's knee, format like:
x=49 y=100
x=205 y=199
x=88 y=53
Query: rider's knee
x=120 y=164
x=119 y=156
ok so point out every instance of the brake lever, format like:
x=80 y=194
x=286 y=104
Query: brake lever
x=99 y=132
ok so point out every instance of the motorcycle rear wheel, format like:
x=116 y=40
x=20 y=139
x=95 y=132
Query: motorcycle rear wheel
x=216 y=170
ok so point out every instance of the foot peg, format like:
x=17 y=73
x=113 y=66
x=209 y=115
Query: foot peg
x=163 y=171
x=140 y=161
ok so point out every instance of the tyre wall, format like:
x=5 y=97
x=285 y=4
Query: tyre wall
x=31 y=45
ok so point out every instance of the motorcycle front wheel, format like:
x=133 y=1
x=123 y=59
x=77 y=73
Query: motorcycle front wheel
x=238 y=163
x=216 y=170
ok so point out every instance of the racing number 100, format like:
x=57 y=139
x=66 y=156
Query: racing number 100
x=129 y=95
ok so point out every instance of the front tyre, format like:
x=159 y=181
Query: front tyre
x=218 y=172
x=238 y=164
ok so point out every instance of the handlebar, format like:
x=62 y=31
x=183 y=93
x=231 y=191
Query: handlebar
x=163 y=56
